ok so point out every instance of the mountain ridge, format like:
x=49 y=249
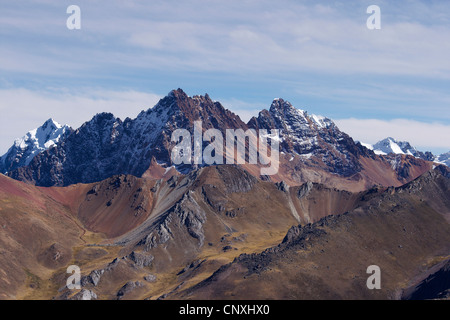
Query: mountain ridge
x=312 y=147
x=390 y=145
x=106 y=145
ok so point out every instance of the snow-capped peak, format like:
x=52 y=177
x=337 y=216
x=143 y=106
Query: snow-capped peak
x=33 y=142
x=390 y=145
x=321 y=121
x=43 y=137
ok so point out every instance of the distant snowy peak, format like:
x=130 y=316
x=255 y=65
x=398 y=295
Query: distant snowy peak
x=33 y=142
x=390 y=145
x=443 y=158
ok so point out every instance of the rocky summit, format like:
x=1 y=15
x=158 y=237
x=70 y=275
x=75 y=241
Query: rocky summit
x=106 y=146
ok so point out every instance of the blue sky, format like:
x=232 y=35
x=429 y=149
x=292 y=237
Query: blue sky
x=319 y=55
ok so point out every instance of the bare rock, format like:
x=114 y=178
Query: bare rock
x=128 y=287
x=141 y=259
x=84 y=294
x=150 y=278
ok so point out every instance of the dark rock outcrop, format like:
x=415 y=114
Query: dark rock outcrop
x=127 y=288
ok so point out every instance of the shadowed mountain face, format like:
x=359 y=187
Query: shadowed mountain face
x=219 y=232
x=436 y=285
x=312 y=147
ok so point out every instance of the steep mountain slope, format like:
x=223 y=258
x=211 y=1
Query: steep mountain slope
x=44 y=230
x=312 y=147
x=434 y=284
x=328 y=259
x=116 y=205
x=177 y=237
x=38 y=234
x=26 y=148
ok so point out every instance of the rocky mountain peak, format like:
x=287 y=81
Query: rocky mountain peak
x=279 y=104
x=291 y=119
x=102 y=119
x=443 y=158
x=177 y=94
x=285 y=113
x=106 y=145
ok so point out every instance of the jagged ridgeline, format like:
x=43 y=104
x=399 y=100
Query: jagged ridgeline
x=312 y=148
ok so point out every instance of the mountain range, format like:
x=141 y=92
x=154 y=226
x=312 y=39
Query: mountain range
x=50 y=133
x=312 y=147
x=107 y=198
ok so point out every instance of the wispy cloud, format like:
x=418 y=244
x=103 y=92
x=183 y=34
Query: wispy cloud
x=258 y=36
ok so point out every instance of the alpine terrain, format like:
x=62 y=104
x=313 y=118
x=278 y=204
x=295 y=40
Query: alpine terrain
x=108 y=198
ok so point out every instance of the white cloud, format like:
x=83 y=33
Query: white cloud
x=424 y=136
x=258 y=36
x=23 y=109
x=308 y=38
x=245 y=110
